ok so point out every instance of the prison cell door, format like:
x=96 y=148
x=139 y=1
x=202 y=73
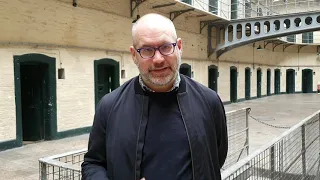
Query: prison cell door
x=233 y=84
x=259 y=83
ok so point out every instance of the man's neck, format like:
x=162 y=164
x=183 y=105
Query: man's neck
x=172 y=85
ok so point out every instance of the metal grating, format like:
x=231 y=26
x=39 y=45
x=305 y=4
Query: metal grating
x=238 y=136
x=67 y=166
x=294 y=156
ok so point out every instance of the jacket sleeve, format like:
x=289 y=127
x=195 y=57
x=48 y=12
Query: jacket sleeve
x=222 y=134
x=94 y=166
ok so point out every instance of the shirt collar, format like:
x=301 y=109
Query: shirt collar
x=146 y=88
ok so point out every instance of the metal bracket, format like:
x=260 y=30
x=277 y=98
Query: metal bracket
x=134 y=4
x=268 y=42
x=265 y=44
x=175 y=14
x=275 y=45
x=205 y=23
x=299 y=47
x=163 y=5
x=210 y=50
x=285 y=46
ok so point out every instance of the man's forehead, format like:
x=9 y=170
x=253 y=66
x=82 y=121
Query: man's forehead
x=154 y=40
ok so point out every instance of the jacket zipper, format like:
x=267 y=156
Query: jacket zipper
x=135 y=164
x=185 y=126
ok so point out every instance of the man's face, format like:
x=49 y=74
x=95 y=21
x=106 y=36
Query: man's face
x=161 y=69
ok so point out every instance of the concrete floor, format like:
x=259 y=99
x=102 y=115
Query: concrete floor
x=280 y=110
x=283 y=110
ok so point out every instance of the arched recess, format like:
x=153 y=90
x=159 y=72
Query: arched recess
x=268 y=82
x=259 y=74
x=35 y=97
x=233 y=84
x=106 y=77
x=307 y=80
x=277 y=81
x=213 y=77
x=185 y=69
x=290 y=81
x=247 y=83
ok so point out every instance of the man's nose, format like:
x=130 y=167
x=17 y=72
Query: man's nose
x=158 y=57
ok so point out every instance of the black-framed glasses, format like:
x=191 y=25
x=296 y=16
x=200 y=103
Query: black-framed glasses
x=149 y=52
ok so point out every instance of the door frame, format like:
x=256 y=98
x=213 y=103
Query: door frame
x=50 y=125
x=105 y=61
x=185 y=65
x=302 y=81
x=215 y=68
x=245 y=83
x=275 y=81
x=259 y=87
x=268 y=80
x=236 y=90
x=293 y=86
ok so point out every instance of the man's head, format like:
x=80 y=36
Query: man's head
x=158 y=68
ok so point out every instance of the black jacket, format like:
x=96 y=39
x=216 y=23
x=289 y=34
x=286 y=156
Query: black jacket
x=116 y=139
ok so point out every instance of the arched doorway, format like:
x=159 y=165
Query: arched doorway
x=233 y=83
x=106 y=77
x=185 y=69
x=35 y=91
x=268 y=82
x=259 y=74
x=213 y=77
x=277 y=81
x=307 y=80
x=290 y=81
x=247 y=83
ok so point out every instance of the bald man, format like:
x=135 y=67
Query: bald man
x=159 y=125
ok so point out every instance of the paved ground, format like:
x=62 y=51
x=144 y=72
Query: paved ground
x=284 y=110
x=279 y=110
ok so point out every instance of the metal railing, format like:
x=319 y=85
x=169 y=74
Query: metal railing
x=238 y=136
x=67 y=166
x=241 y=9
x=293 y=155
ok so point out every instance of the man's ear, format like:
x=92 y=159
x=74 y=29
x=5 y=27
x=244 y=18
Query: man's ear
x=133 y=54
x=179 y=45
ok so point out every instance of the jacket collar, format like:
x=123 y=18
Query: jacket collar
x=181 y=86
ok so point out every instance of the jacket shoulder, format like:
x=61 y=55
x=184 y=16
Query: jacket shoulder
x=109 y=99
x=210 y=95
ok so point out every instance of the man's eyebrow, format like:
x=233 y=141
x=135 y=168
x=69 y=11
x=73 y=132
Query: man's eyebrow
x=165 y=42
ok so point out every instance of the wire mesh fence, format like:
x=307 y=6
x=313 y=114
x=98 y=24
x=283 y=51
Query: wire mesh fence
x=67 y=166
x=292 y=156
x=238 y=136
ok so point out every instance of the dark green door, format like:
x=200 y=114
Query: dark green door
x=259 y=83
x=104 y=80
x=185 y=69
x=106 y=77
x=233 y=84
x=213 y=78
x=290 y=81
x=33 y=97
x=307 y=81
x=268 y=82
x=277 y=81
x=247 y=83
